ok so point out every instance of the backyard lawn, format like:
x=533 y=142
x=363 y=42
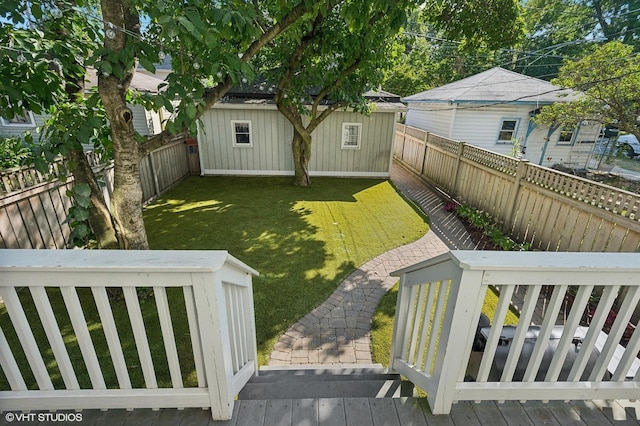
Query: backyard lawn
x=303 y=241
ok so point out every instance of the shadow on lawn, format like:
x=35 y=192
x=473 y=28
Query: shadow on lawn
x=259 y=221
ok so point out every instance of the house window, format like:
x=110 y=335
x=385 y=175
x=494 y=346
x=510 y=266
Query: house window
x=566 y=135
x=20 y=120
x=508 y=130
x=351 y=135
x=241 y=133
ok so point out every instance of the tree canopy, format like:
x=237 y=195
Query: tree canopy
x=609 y=78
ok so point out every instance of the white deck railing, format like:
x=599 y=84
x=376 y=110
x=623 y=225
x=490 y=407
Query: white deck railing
x=217 y=304
x=440 y=303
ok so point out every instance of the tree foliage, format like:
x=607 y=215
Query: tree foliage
x=48 y=46
x=609 y=78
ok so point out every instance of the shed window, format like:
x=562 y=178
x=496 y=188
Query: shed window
x=351 y=135
x=508 y=130
x=19 y=120
x=241 y=133
x=566 y=135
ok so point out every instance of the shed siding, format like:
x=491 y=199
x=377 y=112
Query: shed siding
x=271 y=144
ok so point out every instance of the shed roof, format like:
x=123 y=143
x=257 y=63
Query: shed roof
x=262 y=92
x=496 y=85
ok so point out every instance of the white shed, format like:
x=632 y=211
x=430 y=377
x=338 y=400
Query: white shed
x=493 y=110
x=245 y=134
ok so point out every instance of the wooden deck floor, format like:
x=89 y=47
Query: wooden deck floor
x=371 y=411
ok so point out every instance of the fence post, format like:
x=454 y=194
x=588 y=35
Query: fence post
x=424 y=154
x=454 y=183
x=509 y=215
x=154 y=174
x=404 y=139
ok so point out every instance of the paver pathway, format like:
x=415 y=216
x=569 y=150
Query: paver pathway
x=338 y=331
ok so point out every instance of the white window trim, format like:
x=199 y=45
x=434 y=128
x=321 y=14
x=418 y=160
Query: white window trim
x=515 y=130
x=6 y=123
x=342 y=140
x=574 y=135
x=234 y=134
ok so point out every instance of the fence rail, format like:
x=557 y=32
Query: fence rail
x=33 y=205
x=214 y=297
x=547 y=208
x=572 y=354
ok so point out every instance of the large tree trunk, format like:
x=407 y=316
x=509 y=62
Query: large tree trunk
x=99 y=215
x=126 y=200
x=301 y=147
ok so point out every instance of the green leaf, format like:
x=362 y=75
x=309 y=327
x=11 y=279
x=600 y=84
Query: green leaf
x=147 y=64
x=82 y=189
x=81 y=214
x=191 y=111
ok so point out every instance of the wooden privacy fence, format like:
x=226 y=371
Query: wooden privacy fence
x=550 y=209
x=435 y=344
x=33 y=206
x=202 y=300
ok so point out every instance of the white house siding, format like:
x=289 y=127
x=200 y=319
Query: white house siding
x=271 y=135
x=15 y=131
x=479 y=124
x=435 y=118
x=145 y=122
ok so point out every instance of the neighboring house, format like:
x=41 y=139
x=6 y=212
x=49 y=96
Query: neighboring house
x=245 y=134
x=493 y=110
x=145 y=122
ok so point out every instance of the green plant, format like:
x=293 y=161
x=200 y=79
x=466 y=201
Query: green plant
x=15 y=152
x=490 y=227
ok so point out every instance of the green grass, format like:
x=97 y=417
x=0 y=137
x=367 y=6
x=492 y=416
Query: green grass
x=303 y=241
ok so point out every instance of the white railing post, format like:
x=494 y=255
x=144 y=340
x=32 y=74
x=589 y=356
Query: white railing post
x=214 y=336
x=456 y=339
x=221 y=328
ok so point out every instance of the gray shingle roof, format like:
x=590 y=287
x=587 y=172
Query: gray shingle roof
x=496 y=85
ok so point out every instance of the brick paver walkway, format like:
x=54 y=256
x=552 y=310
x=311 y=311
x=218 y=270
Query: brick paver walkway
x=338 y=331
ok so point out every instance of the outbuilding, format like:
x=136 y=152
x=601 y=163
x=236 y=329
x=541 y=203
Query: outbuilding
x=245 y=134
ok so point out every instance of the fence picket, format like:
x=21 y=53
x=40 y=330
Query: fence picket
x=497 y=183
x=37 y=204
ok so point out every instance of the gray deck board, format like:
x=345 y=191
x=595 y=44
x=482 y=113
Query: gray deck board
x=304 y=412
x=410 y=411
x=331 y=412
x=487 y=413
x=278 y=412
x=464 y=414
x=383 y=412
x=540 y=414
x=377 y=412
x=251 y=413
x=358 y=412
x=590 y=413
